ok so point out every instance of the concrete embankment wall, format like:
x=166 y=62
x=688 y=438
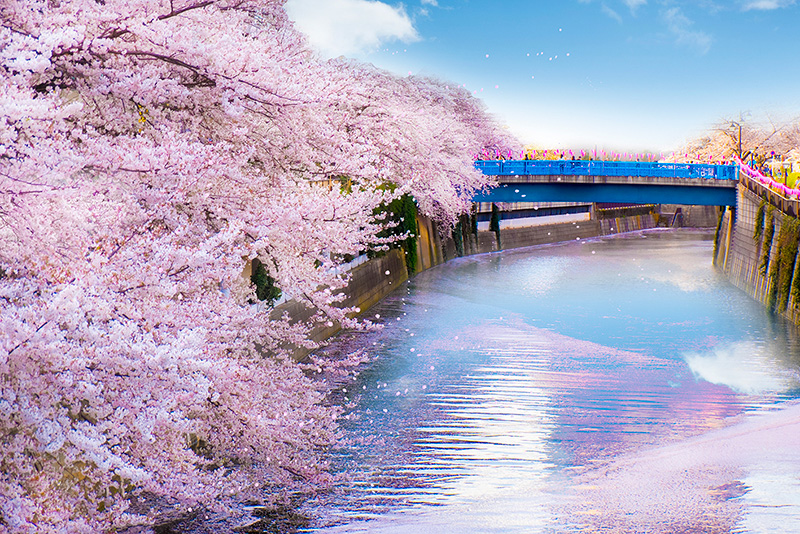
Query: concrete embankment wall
x=369 y=283
x=756 y=249
x=444 y=249
x=737 y=252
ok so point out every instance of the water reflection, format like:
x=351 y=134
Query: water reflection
x=558 y=389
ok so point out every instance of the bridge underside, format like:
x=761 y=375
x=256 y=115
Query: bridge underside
x=692 y=195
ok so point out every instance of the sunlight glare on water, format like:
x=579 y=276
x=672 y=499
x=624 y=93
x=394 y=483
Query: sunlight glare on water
x=611 y=385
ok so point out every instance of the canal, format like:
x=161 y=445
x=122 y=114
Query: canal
x=611 y=385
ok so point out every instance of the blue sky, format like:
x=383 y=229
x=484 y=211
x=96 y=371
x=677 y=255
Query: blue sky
x=615 y=74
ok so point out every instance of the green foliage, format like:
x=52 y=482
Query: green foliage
x=787 y=257
x=345 y=184
x=766 y=246
x=772 y=292
x=784 y=264
x=795 y=292
x=408 y=224
x=759 y=227
x=265 y=284
x=402 y=213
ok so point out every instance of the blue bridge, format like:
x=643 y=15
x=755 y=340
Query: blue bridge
x=610 y=181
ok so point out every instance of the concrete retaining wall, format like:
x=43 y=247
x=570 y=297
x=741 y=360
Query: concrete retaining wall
x=434 y=250
x=739 y=253
x=693 y=216
x=620 y=225
x=368 y=284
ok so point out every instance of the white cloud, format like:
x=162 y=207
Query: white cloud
x=430 y=2
x=767 y=4
x=346 y=27
x=611 y=13
x=633 y=4
x=681 y=28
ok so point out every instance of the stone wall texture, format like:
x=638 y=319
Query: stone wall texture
x=739 y=252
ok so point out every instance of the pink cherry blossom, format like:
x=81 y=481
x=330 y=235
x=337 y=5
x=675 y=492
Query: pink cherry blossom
x=148 y=151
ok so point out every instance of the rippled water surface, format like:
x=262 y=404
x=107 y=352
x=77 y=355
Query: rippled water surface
x=610 y=385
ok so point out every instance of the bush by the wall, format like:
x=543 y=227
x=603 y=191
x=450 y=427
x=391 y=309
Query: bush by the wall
x=402 y=214
x=759 y=226
x=766 y=246
x=786 y=259
x=266 y=290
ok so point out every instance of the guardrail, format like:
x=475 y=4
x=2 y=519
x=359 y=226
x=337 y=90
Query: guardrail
x=786 y=199
x=606 y=168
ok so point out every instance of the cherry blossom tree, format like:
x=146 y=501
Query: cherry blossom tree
x=148 y=150
x=757 y=141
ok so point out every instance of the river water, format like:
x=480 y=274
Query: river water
x=610 y=385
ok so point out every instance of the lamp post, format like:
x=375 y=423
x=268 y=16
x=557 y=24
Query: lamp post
x=735 y=124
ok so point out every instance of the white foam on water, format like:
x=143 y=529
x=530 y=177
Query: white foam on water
x=745 y=367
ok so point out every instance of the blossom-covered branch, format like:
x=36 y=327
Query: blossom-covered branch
x=148 y=151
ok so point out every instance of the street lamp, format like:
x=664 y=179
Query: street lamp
x=735 y=124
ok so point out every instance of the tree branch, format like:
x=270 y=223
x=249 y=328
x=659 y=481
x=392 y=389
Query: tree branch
x=174 y=13
x=23 y=342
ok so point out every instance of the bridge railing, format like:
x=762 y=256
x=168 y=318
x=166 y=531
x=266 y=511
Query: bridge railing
x=606 y=168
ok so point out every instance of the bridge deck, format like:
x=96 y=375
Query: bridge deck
x=610 y=181
x=606 y=168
